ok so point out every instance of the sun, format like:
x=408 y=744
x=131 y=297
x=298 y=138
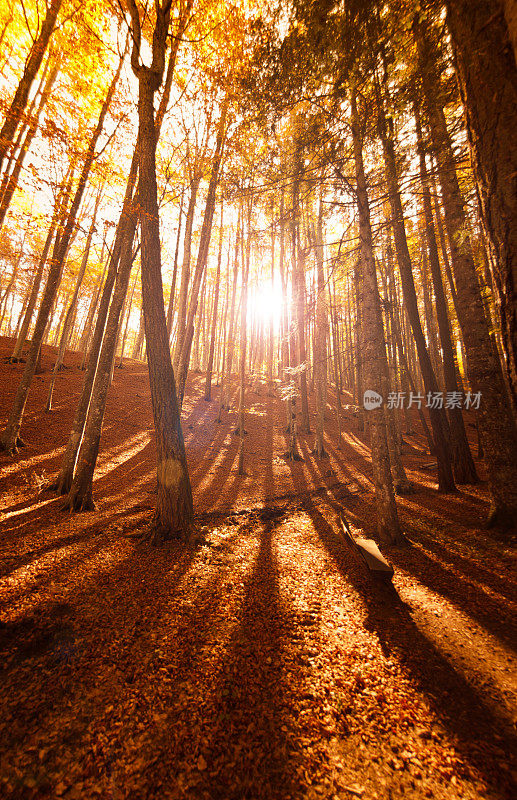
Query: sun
x=266 y=303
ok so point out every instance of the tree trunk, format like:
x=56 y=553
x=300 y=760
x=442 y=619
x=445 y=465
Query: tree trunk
x=464 y=468
x=185 y=272
x=32 y=65
x=170 y=307
x=70 y=314
x=240 y=430
x=375 y=362
x=10 y=435
x=126 y=328
x=125 y=233
x=174 y=509
x=80 y=495
x=210 y=364
x=202 y=256
x=487 y=78
x=320 y=339
x=438 y=417
x=496 y=420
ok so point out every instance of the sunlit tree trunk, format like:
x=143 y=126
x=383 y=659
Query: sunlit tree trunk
x=10 y=435
x=375 y=362
x=170 y=307
x=298 y=283
x=320 y=338
x=210 y=364
x=202 y=256
x=185 y=271
x=80 y=495
x=240 y=430
x=70 y=314
x=174 y=507
x=126 y=327
x=84 y=341
x=464 y=468
x=438 y=418
x=32 y=65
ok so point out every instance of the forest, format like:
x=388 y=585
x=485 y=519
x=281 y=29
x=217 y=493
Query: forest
x=258 y=399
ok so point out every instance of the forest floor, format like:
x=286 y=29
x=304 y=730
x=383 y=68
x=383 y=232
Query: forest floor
x=265 y=663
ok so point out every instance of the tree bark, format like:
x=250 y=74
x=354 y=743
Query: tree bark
x=174 y=508
x=375 y=361
x=320 y=338
x=210 y=363
x=496 y=420
x=437 y=416
x=202 y=256
x=185 y=271
x=464 y=467
x=170 y=307
x=487 y=78
x=70 y=314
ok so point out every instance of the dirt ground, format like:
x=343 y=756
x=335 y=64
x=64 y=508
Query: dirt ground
x=265 y=663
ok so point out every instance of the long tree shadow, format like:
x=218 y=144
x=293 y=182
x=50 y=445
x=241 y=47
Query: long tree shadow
x=491 y=612
x=117 y=642
x=244 y=739
x=462 y=709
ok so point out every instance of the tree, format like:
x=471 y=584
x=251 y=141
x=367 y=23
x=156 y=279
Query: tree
x=33 y=63
x=174 y=508
x=10 y=437
x=375 y=362
x=496 y=418
x=487 y=77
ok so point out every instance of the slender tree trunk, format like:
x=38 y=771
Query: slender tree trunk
x=464 y=468
x=174 y=510
x=137 y=349
x=84 y=341
x=10 y=436
x=32 y=65
x=320 y=339
x=170 y=307
x=126 y=328
x=240 y=430
x=123 y=240
x=375 y=362
x=298 y=277
x=185 y=272
x=202 y=256
x=80 y=495
x=437 y=415
x=70 y=314
x=210 y=364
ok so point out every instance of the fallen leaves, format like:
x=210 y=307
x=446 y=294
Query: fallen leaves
x=262 y=660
